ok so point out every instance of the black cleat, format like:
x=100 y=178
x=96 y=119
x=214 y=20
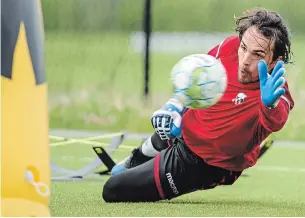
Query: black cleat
x=135 y=159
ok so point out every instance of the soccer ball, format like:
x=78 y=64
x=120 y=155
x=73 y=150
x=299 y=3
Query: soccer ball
x=199 y=80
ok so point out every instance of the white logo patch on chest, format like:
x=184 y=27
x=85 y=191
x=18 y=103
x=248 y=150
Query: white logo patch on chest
x=240 y=98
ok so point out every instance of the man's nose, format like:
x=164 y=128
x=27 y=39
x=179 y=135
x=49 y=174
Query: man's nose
x=246 y=59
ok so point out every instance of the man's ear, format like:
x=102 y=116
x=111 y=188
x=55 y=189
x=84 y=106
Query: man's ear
x=273 y=63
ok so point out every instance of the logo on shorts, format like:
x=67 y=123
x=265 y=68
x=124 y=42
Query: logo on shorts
x=172 y=183
x=239 y=98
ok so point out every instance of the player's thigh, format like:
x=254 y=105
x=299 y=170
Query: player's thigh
x=179 y=171
x=133 y=185
x=176 y=172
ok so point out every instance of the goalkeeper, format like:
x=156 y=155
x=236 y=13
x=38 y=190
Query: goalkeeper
x=199 y=149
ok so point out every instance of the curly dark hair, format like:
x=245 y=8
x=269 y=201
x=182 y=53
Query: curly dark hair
x=271 y=25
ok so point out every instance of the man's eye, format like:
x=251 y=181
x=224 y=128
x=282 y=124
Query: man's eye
x=243 y=48
x=258 y=55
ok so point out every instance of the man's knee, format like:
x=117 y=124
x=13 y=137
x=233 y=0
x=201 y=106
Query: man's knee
x=133 y=185
x=110 y=190
x=158 y=143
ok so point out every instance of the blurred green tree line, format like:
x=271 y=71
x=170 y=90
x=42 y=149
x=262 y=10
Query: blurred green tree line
x=167 y=15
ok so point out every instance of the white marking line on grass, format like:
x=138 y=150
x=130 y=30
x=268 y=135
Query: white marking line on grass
x=86 y=142
x=279 y=169
x=128 y=135
x=259 y=168
x=82 y=159
x=290 y=144
x=74 y=158
x=65 y=141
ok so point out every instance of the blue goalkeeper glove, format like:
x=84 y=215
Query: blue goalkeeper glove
x=167 y=120
x=271 y=86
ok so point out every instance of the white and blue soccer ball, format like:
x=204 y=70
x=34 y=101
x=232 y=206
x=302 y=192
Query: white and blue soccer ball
x=199 y=80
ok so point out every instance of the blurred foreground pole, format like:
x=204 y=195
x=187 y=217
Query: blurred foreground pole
x=147 y=31
x=25 y=161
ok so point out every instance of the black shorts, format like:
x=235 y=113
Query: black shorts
x=173 y=172
x=177 y=171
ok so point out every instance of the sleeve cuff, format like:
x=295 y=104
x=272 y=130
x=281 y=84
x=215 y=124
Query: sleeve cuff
x=273 y=119
x=269 y=110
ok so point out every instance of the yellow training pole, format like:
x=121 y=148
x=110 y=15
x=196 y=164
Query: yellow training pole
x=25 y=161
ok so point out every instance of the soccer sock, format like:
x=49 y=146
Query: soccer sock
x=153 y=145
x=148 y=149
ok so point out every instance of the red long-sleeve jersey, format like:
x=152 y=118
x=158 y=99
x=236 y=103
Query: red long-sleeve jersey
x=228 y=134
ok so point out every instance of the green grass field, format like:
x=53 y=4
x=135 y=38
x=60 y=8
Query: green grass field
x=274 y=187
x=96 y=82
